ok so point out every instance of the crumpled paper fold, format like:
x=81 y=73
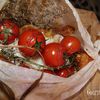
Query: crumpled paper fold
x=52 y=87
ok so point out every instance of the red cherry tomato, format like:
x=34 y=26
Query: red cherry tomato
x=31 y=38
x=62 y=73
x=71 y=70
x=65 y=72
x=9 y=31
x=71 y=44
x=53 y=55
x=48 y=71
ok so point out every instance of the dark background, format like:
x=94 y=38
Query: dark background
x=92 y=5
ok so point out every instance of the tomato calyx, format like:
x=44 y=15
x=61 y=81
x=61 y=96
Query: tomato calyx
x=7 y=32
x=37 y=45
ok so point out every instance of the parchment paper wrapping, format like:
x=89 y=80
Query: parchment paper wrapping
x=53 y=87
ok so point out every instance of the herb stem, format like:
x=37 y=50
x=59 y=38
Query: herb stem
x=15 y=46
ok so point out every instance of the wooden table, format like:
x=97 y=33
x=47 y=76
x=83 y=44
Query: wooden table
x=91 y=91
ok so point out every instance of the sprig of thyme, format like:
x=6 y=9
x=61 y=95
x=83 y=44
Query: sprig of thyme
x=71 y=61
x=9 y=54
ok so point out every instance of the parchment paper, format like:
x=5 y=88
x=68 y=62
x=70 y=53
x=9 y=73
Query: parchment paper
x=53 y=87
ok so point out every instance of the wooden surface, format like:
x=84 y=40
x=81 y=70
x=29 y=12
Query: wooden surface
x=91 y=23
x=91 y=91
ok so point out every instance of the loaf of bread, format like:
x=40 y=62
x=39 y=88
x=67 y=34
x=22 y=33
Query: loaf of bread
x=41 y=13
